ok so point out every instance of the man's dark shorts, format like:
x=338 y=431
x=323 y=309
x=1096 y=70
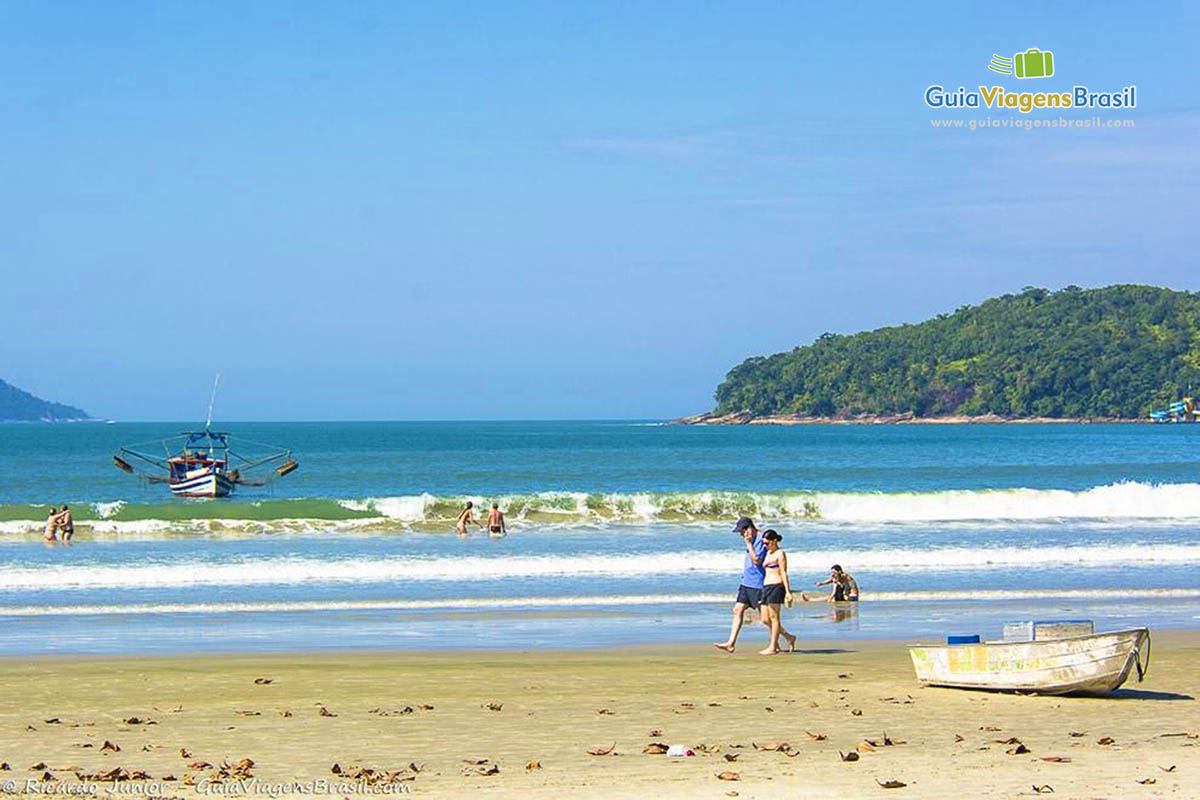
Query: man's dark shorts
x=749 y=596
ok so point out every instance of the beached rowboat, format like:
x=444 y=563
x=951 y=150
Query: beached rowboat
x=1095 y=664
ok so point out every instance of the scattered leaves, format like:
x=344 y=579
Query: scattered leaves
x=728 y=776
x=851 y=756
x=1018 y=750
x=655 y=749
x=1043 y=789
x=490 y=769
x=1057 y=759
x=893 y=784
x=1147 y=781
x=602 y=751
x=1106 y=740
x=731 y=757
x=494 y=706
x=532 y=765
x=1167 y=769
x=325 y=712
x=856 y=712
x=112 y=746
x=263 y=681
x=816 y=737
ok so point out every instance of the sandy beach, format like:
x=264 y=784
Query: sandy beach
x=778 y=724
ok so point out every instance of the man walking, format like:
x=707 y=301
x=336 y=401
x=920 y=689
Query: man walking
x=750 y=592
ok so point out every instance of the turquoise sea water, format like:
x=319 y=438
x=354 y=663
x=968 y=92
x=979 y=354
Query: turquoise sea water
x=619 y=532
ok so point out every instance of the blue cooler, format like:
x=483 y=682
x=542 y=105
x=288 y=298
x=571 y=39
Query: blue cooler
x=973 y=639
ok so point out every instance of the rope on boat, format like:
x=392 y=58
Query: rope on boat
x=1142 y=669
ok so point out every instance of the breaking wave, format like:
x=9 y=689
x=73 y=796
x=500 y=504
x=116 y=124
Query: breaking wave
x=297 y=571
x=574 y=601
x=1119 y=501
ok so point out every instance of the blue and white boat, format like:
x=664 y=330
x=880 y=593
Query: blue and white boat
x=205 y=463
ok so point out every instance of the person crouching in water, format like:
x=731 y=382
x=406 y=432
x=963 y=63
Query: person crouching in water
x=845 y=588
x=776 y=591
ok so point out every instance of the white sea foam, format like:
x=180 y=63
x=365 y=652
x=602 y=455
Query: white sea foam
x=574 y=601
x=294 y=571
x=106 y=510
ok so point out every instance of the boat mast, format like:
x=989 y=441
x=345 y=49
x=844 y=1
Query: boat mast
x=208 y=422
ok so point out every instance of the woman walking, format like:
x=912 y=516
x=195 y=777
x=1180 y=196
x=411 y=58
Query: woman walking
x=776 y=591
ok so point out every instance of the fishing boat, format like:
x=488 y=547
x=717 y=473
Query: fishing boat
x=1093 y=664
x=204 y=463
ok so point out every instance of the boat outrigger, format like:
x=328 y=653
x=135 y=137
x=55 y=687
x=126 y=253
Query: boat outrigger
x=205 y=463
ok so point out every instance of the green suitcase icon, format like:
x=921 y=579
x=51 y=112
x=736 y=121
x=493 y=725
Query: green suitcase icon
x=1034 y=63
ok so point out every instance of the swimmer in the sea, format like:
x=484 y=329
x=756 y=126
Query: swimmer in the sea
x=465 y=516
x=495 y=522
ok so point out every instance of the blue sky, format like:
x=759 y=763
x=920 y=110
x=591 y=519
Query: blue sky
x=547 y=210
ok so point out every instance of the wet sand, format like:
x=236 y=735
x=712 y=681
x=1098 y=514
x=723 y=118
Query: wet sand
x=387 y=711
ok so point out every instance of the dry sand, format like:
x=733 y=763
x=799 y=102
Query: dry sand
x=556 y=706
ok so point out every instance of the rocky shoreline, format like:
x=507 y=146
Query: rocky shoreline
x=712 y=418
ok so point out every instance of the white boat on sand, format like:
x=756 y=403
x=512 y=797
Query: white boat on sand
x=1095 y=664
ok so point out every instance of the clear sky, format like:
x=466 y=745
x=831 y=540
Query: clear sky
x=547 y=210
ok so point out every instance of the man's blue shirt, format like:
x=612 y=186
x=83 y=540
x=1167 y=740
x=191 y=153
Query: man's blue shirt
x=752 y=574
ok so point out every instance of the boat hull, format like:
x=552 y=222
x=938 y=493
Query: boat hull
x=1094 y=665
x=211 y=484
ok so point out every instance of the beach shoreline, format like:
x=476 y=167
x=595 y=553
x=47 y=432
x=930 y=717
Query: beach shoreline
x=296 y=715
x=713 y=418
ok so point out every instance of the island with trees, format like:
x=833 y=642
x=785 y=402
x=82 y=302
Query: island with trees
x=1113 y=353
x=17 y=405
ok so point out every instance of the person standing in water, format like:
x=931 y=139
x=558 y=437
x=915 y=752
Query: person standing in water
x=50 y=533
x=495 y=523
x=66 y=521
x=776 y=591
x=465 y=516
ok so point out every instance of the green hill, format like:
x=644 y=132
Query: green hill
x=1119 y=351
x=20 y=406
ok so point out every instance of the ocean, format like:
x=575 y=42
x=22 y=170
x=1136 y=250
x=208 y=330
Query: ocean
x=619 y=533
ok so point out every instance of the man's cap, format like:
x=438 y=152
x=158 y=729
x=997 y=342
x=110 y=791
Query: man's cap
x=742 y=524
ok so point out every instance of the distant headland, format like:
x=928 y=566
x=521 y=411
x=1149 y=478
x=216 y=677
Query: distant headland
x=17 y=405
x=1076 y=355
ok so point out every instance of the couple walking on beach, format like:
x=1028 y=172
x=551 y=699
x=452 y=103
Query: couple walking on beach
x=765 y=587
